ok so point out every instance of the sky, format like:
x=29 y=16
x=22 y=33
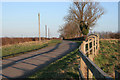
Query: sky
x=20 y=19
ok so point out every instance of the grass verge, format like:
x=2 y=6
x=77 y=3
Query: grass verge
x=109 y=56
x=17 y=49
x=64 y=68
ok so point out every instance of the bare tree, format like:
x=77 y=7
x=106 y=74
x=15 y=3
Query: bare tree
x=85 y=15
x=69 y=30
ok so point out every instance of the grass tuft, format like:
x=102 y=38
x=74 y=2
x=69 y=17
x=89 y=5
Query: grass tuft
x=109 y=56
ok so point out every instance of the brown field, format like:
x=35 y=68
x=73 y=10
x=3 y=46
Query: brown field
x=7 y=40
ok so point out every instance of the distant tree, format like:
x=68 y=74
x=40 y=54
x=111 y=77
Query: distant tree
x=69 y=30
x=85 y=15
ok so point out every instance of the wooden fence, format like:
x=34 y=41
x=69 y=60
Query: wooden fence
x=88 y=50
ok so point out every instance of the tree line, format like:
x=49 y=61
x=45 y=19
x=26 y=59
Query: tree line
x=109 y=35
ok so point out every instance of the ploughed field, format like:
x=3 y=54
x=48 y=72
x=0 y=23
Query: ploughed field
x=10 y=40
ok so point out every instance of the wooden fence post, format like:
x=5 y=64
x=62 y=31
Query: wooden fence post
x=91 y=56
x=83 y=66
x=88 y=47
x=83 y=46
x=98 y=44
x=93 y=52
x=95 y=45
x=88 y=53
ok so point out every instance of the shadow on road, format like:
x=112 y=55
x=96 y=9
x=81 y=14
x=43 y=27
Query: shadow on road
x=71 y=46
x=14 y=62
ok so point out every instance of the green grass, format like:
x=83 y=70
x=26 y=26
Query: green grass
x=26 y=47
x=66 y=67
x=109 y=56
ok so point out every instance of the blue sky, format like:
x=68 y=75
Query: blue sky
x=20 y=19
x=109 y=21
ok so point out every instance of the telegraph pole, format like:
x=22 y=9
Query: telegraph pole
x=39 y=25
x=46 y=30
x=48 y=33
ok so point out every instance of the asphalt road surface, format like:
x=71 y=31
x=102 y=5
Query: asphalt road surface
x=26 y=64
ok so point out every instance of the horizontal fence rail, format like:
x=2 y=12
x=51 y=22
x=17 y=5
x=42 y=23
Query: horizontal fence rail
x=88 y=50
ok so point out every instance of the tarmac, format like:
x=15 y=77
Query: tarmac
x=25 y=65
